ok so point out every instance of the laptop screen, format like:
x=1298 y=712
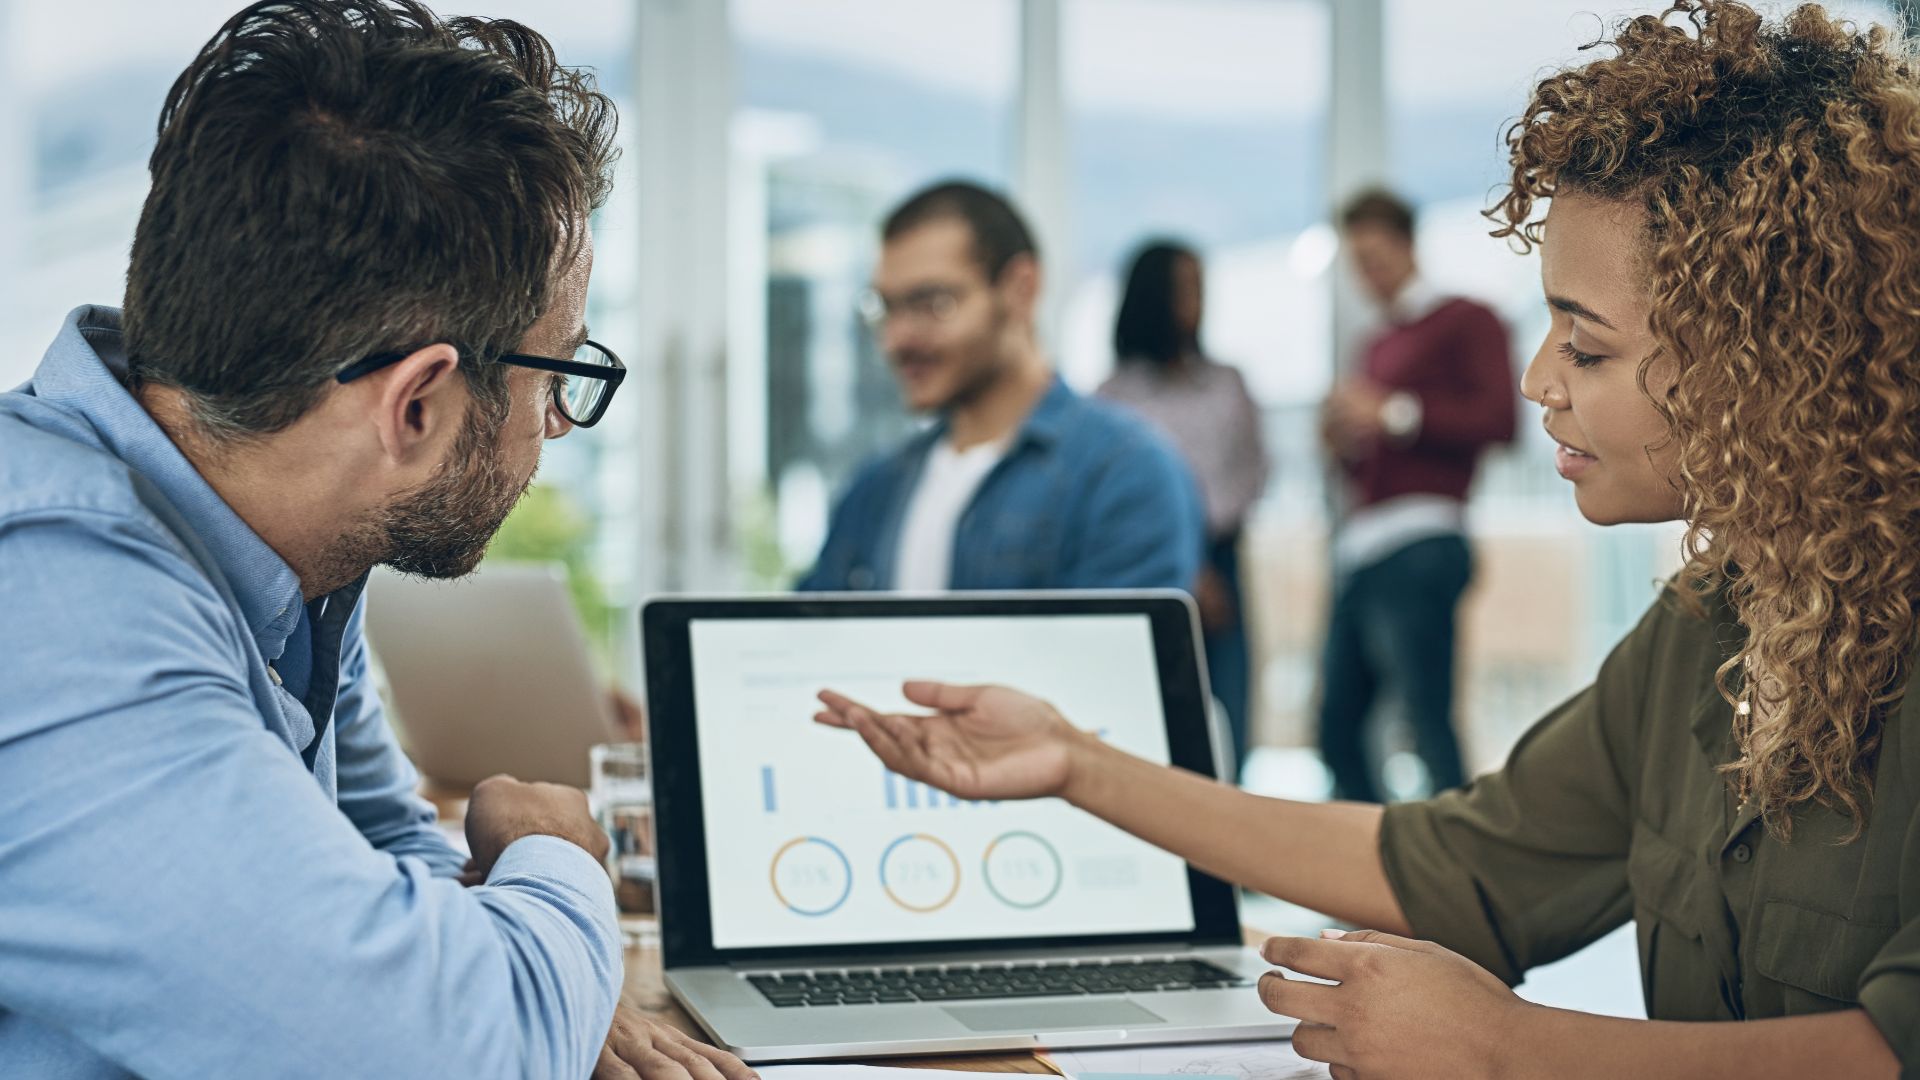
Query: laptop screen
x=810 y=841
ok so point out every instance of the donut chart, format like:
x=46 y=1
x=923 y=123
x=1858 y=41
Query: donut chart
x=810 y=876
x=1022 y=870
x=920 y=873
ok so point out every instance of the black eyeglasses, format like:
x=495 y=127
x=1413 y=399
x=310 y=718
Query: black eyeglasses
x=581 y=393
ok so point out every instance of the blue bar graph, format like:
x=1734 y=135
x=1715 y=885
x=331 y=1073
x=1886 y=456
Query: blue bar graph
x=766 y=789
x=923 y=796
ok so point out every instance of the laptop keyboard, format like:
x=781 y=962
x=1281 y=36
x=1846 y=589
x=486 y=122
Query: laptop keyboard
x=965 y=982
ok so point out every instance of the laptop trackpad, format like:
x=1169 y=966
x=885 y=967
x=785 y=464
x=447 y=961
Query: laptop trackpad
x=1051 y=1017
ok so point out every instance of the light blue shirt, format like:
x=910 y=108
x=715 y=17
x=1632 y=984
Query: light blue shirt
x=192 y=883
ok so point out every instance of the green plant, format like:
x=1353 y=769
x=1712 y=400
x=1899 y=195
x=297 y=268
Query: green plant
x=549 y=526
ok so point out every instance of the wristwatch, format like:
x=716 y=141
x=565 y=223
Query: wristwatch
x=1400 y=416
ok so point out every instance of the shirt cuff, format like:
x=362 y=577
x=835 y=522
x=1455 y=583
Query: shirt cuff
x=1438 y=896
x=1892 y=1001
x=550 y=858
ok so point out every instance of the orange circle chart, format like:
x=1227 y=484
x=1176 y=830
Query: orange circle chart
x=914 y=864
x=816 y=863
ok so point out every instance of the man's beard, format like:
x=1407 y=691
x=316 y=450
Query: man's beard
x=442 y=528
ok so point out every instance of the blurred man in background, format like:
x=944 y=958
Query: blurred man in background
x=1433 y=390
x=1019 y=483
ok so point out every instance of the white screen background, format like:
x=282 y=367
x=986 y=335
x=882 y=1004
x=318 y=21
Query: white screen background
x=811 y=842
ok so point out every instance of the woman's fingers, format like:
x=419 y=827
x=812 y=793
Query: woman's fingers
x=1308 y=1001
x=1322 y=958
x=943 y=696
x=906 y=731
x=1381 y=937
x=1317 y=1042
x=900 y=742
x=881 y=741
x=837 y=703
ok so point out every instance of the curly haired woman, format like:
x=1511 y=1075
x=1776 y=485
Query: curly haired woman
x=1732 y=260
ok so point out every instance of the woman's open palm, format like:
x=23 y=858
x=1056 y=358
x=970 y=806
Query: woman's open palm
x=982 y=742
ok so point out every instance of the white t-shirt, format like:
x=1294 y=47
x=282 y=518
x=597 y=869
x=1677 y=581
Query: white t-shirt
x=924 y=562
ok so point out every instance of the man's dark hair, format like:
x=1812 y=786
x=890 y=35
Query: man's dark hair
x=1145 y=328
x=999 y=234
x=338 y=178
x=1378 y=206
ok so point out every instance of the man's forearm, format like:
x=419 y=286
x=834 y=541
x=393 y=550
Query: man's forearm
x=1576 y=1046
x=1323 y=856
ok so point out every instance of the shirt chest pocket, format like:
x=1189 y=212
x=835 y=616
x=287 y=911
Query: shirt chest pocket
x=1814 y=956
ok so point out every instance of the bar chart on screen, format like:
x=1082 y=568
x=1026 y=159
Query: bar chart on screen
x=904 y=794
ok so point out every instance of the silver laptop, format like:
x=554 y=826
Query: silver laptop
x=489 y=674
x=815 y=905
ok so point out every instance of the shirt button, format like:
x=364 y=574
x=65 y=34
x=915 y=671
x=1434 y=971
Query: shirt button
x=1742 y=853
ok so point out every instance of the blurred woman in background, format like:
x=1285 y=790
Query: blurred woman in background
x=1203 y=407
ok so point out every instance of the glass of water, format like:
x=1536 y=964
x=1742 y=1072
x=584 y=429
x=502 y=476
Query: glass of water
x=622 y=799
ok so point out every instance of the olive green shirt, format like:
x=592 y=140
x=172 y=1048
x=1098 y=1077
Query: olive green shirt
x=1611 y=808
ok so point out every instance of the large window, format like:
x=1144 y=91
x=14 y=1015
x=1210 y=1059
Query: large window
x=83 y=122
x=87 y=129
x=1202 y=120
x=843 y=109
x=1205 y=120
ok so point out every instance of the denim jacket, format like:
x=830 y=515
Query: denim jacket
x=1087 y=497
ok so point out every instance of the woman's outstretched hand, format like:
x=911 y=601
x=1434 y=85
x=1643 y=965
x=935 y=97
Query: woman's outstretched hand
x=981 y=742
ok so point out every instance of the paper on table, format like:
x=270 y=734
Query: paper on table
x=1222 y=1061
x=853 y=1072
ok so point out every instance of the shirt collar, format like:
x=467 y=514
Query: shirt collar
x=1042 y=427
x=84 y=371
x=1047 y=421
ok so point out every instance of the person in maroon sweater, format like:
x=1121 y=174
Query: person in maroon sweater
x=1433 y=390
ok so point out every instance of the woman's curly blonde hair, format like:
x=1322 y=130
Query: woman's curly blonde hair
x=1778 y=169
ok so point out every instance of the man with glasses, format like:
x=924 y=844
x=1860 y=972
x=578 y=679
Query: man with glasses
x=355 y=309
x=1019 y=483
